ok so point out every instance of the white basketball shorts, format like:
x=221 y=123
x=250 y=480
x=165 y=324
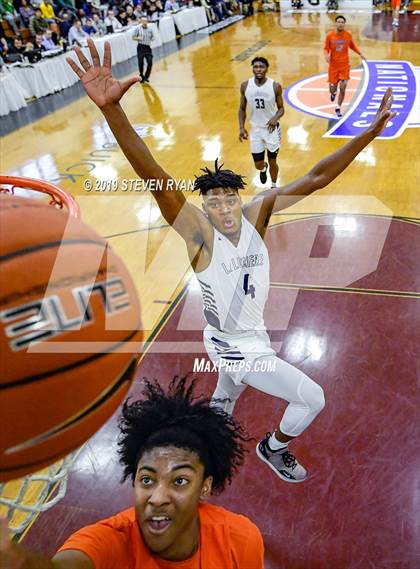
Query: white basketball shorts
x=261 y=139
x=236 y=353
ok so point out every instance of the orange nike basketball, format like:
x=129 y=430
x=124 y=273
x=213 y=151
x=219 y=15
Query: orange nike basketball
x=70 y=334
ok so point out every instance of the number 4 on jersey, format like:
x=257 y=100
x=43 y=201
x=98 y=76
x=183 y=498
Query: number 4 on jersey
x=248 y=289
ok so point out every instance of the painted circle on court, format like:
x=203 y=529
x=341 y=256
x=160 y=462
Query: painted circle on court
x=312 y=95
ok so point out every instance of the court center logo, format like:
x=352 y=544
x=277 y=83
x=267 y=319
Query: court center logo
x=364 y=92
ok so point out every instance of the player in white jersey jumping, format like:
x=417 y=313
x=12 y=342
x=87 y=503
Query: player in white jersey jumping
x=266 y=103
x=226 y=250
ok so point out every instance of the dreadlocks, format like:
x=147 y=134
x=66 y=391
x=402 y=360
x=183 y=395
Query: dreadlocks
x=218 y=179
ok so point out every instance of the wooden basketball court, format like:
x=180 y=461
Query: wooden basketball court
x=344 y=287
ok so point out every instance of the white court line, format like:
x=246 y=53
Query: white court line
x=324 y=11
x=324 y=89
x=329 y=106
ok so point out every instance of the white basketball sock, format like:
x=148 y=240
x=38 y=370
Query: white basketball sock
x=275 y=444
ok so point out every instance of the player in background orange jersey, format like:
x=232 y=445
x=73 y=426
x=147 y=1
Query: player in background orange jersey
x=336 y=52
x=396 y=5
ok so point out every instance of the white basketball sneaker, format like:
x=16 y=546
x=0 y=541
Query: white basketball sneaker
x=281 y=461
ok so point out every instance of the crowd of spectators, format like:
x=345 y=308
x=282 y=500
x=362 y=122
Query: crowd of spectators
x=30 y=27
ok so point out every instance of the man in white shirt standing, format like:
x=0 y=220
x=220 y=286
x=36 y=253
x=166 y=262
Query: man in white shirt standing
x=143 y=34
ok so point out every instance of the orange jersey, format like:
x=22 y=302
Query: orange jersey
x=227 y=540
x=337 y=45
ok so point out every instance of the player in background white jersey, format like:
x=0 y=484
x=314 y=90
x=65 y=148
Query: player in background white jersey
x=227 y=223
x=265 y=100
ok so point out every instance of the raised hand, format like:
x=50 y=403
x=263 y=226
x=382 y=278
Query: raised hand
x=384 y=113
x=97 y=79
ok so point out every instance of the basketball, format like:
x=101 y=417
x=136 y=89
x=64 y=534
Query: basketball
x=70 y=334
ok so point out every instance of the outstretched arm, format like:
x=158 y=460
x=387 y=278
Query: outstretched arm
x=243 y=133
x=14 y=556
x=106 y=92
x=271 y=201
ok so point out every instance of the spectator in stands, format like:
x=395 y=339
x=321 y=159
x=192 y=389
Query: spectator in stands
x=81 y=16
x=90 y=28
x=35 y=54
x=123 y=4
x=159 y=6
x=218 y=8
x=37 y=24
x=99 y=24
x=76 y=34
x=87 y=8
x=231 y=6
x=111 y=22
x=18 y=49
x=405 y=6
x=47 y=41
x=153 y=8
x=248 y=7
x=131 y=16
x=63 y=6
x=47 y=11
x=138 y=11
x=122 y=18
x=38 y=42
x=4 y=47
x=146 y=6
x=8 y=13
x=211 y=16
x=65 y=25
x=171 y=5
x=26 y=12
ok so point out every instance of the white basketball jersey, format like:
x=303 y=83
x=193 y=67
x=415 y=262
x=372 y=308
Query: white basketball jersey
x=236 y=283
x=262 y=101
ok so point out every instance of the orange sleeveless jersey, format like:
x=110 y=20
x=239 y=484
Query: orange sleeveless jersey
x=227 y=540
x=337 y=45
